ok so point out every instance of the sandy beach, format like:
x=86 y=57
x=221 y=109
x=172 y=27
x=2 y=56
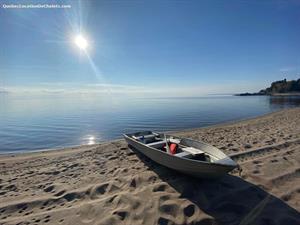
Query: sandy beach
x=109 y=184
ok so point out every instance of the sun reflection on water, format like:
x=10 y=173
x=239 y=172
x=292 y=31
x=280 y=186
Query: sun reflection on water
x=89 y=140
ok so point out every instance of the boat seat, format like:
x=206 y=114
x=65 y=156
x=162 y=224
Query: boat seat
x=174 y=140
x=192 y=150
x=145 y=136
x=184 y=155
x=157 y=144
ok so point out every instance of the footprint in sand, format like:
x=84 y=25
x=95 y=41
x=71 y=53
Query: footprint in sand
x=2 y=210
x=160 y=187
x=60 y=193
x=169 y=208
x=257 y=162
x=37 y=220
x=121 y=214
x=133 y=183
x=162 y=221
x=12 y=187
x=49 y=188
x=111 y=199
x=189 y=210
x=28 y=213
x=256 y=171
x=247 y=146
x=47 y=217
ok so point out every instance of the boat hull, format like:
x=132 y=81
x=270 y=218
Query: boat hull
x=194 y=168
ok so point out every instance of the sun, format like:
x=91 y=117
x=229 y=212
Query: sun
x=81 y=42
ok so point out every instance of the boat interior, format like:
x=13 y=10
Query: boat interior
x=175 y=146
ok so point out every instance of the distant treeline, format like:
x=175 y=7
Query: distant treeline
x=279 y=87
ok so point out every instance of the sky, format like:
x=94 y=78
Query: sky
x=178 y=47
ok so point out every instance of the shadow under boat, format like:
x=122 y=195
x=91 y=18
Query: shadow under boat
x=230 y=200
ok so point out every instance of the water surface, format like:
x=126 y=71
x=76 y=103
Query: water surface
x=33 y=122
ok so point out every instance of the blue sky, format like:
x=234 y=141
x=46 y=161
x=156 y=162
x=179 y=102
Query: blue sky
x=196 y=47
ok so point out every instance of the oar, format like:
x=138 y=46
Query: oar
x=167 y=146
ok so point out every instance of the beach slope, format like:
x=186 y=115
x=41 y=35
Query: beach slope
x=109 y=184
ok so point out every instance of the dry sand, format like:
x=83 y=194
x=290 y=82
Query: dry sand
x=109 y=184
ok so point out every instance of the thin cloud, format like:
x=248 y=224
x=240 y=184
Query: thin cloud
x=288 y=69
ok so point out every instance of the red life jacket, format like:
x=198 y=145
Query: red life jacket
x=173 y=148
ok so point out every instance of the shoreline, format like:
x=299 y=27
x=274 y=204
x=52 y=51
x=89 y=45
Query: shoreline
x=270 y=95
x=226 y=123
x=107 y=183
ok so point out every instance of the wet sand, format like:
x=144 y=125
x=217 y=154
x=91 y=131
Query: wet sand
x=109 y=184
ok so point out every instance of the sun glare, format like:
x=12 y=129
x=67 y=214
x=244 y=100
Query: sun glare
x=91 y=140
x=81 y=42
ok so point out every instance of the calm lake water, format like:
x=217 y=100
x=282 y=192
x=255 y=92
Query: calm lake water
x=32 y=122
